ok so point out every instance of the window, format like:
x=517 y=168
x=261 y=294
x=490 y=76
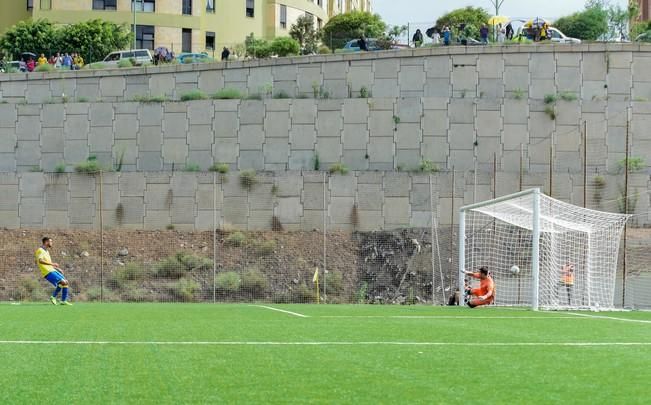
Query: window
x=30 y=5
x=319 y=3
x=104 y=4
x=319 y=23
x=146 y=6
x=250 y=8
x=210 y=6
x=46 y=4
x=186 y=40
x=187 y=7
x=283 y=16
x=210 y=40
x=145 y=36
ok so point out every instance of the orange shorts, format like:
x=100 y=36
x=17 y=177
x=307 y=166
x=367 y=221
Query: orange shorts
x=476 y=302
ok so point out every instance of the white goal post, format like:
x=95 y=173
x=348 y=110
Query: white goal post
x=542 y=252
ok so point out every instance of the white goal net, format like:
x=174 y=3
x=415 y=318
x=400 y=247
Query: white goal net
x=573 y=264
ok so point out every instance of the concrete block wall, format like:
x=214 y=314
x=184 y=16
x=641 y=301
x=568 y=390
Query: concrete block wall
x=591 y=71
x=364 y=134
x=196 y=201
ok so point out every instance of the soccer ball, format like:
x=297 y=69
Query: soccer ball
x=515 y=269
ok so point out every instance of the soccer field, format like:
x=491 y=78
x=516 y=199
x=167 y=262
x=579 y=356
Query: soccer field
x=201 y=353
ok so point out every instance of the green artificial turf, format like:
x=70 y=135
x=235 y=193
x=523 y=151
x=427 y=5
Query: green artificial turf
x=336 y=354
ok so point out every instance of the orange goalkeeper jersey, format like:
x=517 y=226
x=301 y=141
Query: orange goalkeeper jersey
x=485 y=286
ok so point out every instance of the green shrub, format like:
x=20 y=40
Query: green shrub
x=264 y=248
x=257 y=48
x=254 y=283
x=518 y=94
x=634 y=164
x=89 y=166
x=125 y=63
x=303 y=294
x=285 y=46
x=185 y=289
x=550 y=98
x=193 y=95
x=192 y=167
x=60 y=168
x=364 y=93
x=221 y=168
x=324 y=50
x=228 y=281
x=193 y=262
x=227 y=94
x=281 y=94
x=129 y=273
x=567 y=96
x=427 y=166
x=28 y=289
x=248 y=179
x=334 y=282
x=44 y=68
x=150 y=99
x=96 y=65
x=551 y=112
x=237 y=238
x=339 y=168
x=170 y=267
x=135 y=294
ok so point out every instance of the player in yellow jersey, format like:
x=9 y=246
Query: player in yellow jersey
x=51 y=272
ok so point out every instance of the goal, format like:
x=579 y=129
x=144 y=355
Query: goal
x=565 y=256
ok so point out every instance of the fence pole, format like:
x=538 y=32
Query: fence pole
x=101 y=238
x=452 y=228
x=626 y=157
x=494 y=175
x=585 y=164
x=325 y=230
x=551 y=166
x=214 y=237
x=521 y=164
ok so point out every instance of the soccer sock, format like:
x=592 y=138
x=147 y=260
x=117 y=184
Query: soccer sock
x=64 y=295
x=56 y=291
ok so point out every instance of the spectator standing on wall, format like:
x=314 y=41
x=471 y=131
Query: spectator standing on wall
x=67 y=61
x=42 y=60
x=436 y=37
x=501 y=34
x=225 y=54
x=78 y=62
x=30 y=65
x=446 y=36
x=509 y=31
x=483 y=33
x=362 y=44
x=418 y=38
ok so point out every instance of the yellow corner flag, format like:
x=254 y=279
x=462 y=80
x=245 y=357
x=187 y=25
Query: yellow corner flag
x=315 y=280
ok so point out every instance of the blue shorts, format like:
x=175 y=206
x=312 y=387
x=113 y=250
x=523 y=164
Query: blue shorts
x=54 y=277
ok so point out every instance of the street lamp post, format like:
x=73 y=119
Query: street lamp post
x=497 y=4
x=135 y=12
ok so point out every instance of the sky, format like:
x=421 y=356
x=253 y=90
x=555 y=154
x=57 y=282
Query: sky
x=401 y=12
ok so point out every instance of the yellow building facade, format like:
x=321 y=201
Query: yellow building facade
x=184 y=25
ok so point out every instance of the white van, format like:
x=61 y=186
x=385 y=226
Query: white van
x=557 y=36
x=140 y=55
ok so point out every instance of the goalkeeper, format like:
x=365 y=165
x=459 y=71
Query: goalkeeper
x=51 y=273
x=485 y=294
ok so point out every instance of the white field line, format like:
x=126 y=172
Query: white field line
x=371 y=343
x=281 y=310
x=612 y=318
x=445 y=317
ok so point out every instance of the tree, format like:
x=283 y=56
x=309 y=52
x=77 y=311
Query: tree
x=390 y=38
x=257 y=48
x=589 y=24
x=29 y=36
x=471 y=17
x=344 y=27
x=93 y=39
x=285 y=46
x=303 y=31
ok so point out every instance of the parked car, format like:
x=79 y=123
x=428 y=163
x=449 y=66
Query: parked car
x=353 y=45
x=644 y=37
x=557 y=36
x=191 y=57
x=14 y=66
x=140 y=55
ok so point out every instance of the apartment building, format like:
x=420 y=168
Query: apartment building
x=184 y=25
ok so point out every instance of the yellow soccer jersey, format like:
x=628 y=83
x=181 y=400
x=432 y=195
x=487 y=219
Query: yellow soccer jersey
x=43 y=254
